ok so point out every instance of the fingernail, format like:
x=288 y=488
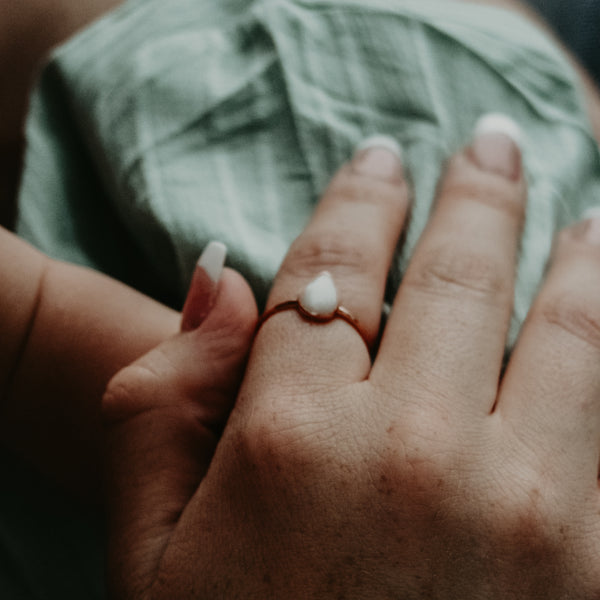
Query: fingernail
x=496 y=145
x=590 y=226
x=203 y=288
x=379 y=156
x=212 y=260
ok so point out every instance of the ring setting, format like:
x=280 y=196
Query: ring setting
x=319 y=298
x=317 y=303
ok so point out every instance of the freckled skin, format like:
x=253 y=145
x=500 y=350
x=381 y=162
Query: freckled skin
x=401 y=498
x=413 y=476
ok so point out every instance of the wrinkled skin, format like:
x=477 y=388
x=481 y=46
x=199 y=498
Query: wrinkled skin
x=415 y=475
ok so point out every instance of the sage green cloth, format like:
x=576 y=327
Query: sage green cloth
x=168 y=124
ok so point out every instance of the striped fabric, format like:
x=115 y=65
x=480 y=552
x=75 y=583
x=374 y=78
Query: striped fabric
x=168 y=124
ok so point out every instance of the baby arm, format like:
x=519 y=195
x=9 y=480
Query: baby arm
x=65 y=331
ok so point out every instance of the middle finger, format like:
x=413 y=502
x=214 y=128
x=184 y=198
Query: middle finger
x=450 y=319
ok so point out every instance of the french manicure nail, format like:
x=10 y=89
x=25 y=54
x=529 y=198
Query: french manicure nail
x=379 y=156
x=203 y=288
x=496 y=145
x=212 y=260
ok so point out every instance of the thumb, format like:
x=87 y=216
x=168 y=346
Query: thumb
x=163 y=415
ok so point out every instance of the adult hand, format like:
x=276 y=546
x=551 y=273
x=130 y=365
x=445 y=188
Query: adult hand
x=417 y=475
x=165 y=413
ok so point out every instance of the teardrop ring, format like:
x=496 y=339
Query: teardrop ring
x=318 y=303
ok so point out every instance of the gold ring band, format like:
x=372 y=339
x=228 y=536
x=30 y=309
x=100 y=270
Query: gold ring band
x=339 y=313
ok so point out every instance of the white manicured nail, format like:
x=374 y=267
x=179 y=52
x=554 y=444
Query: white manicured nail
x=212 y=260
x=499 y=123
x=496 y=145
x=380 y=157
x=203 y=289
x=381 y=141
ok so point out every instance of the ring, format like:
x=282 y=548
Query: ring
x=318 y=303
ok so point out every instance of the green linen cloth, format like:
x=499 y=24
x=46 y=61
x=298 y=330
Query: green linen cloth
x=168 y=124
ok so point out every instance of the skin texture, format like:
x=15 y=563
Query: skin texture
x=420 y=474
x=52 y=370
x=65 y=331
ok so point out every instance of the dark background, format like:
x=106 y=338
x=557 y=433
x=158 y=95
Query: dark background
x=578 y=23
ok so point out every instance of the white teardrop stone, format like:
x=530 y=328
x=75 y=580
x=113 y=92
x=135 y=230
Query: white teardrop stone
x=320 y=296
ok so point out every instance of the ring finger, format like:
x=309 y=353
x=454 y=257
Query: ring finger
x=351 y=237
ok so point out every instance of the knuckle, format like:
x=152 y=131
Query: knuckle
x=283 y=438
x=127 y=393
x=331 y=250
x=418 y=463
x=528 y=519
x=532 y=525
x=445 y=271
x=574 y=314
